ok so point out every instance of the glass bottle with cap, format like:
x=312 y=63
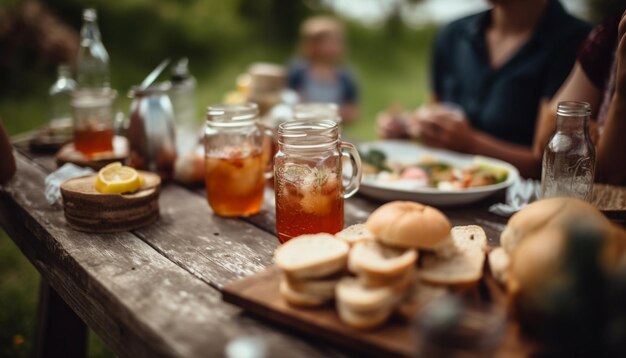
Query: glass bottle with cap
x=93 y=58
x=568 y=166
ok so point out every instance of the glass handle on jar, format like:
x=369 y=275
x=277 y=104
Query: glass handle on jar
x=349 y=151
x=268 y=152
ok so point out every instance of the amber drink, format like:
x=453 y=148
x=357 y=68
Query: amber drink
x=235 y=160
x=93 y=118
x=308 y=178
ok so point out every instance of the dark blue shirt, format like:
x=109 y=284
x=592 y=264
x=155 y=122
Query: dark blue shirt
x=340 y=90
x=504 y=102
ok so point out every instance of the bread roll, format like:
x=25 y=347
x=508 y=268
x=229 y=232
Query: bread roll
x=301 y=299
x=409 y=225
x=355 y=233
x=312 y=256
x=374 y=259
x=544 y=214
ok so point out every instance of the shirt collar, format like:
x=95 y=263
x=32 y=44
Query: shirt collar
x=551 y=17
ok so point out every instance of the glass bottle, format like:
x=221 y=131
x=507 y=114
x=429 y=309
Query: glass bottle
x=569 y=157
x=183 y=97
x=60 y=98
x=235 y=164
x=93 y=58
x=308 y=178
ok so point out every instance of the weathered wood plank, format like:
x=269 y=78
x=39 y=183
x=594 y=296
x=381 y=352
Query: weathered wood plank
x=215 y=249
x=137 y=300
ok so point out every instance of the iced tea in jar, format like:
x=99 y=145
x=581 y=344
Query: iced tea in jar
x=308 y=178
x=93 y=120
x=234 y=161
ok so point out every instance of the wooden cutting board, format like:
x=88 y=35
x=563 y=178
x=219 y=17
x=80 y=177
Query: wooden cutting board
x=88 y=210
x=259 y=295
x=69 y=154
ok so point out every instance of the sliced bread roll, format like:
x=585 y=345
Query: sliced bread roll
x=362 y=307
x=363 y=319
x=319 y=287
x=301 y=299
x=381 y=262
x=312 y=256
x=461 y=263
x=355 y=233
x=499 y=262
x=357 y=297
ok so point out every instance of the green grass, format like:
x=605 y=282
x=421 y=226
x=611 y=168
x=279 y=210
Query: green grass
x=390 y=70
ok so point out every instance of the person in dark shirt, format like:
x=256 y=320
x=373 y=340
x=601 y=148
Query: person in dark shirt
x=318 y=75
x=599 y=78
x=495 y=69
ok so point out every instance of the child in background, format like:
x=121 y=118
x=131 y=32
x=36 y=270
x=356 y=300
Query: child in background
x=318 y=76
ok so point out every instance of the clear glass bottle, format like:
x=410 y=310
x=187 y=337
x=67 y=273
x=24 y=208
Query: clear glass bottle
x=569 y=157
x=308 y=175
x=60 y=98
x=93 y=58
x=183 y=96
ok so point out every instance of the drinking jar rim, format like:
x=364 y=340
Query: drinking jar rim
x=317 y=110
x=573 y=109
x=232 y=114
x=308 y=133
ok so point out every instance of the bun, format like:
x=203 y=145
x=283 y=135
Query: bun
x=363 y=320
x=544 y=214
x=319 y=287
x=407 y=224
x=312 y=256
x=499 y=263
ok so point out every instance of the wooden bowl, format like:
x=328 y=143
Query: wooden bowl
x=88 y=210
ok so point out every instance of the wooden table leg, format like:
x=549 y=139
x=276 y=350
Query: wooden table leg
x=60 y=332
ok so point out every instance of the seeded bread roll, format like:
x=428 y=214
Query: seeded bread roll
x=462 y=263
x=312 y=256
x=409 y=225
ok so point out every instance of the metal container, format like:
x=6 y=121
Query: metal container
x=151 y=131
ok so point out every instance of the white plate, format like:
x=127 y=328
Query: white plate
x=410 y=153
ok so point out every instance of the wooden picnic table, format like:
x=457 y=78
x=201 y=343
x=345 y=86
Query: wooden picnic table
x=155 y=291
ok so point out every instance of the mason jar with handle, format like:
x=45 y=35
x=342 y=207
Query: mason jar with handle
x=235 y=159
x=308 y=178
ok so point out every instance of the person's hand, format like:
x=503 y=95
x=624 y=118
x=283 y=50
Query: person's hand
x=440 y=126
x=390 y=125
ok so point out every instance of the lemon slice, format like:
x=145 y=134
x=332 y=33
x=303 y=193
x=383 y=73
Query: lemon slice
x=116 y=179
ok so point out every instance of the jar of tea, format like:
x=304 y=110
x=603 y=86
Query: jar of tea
x=308 y=177
x=236 y=165
x=93 y=115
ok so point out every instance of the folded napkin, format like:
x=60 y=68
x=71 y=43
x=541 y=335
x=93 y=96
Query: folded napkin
x=56 y=178
x=518 y=195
